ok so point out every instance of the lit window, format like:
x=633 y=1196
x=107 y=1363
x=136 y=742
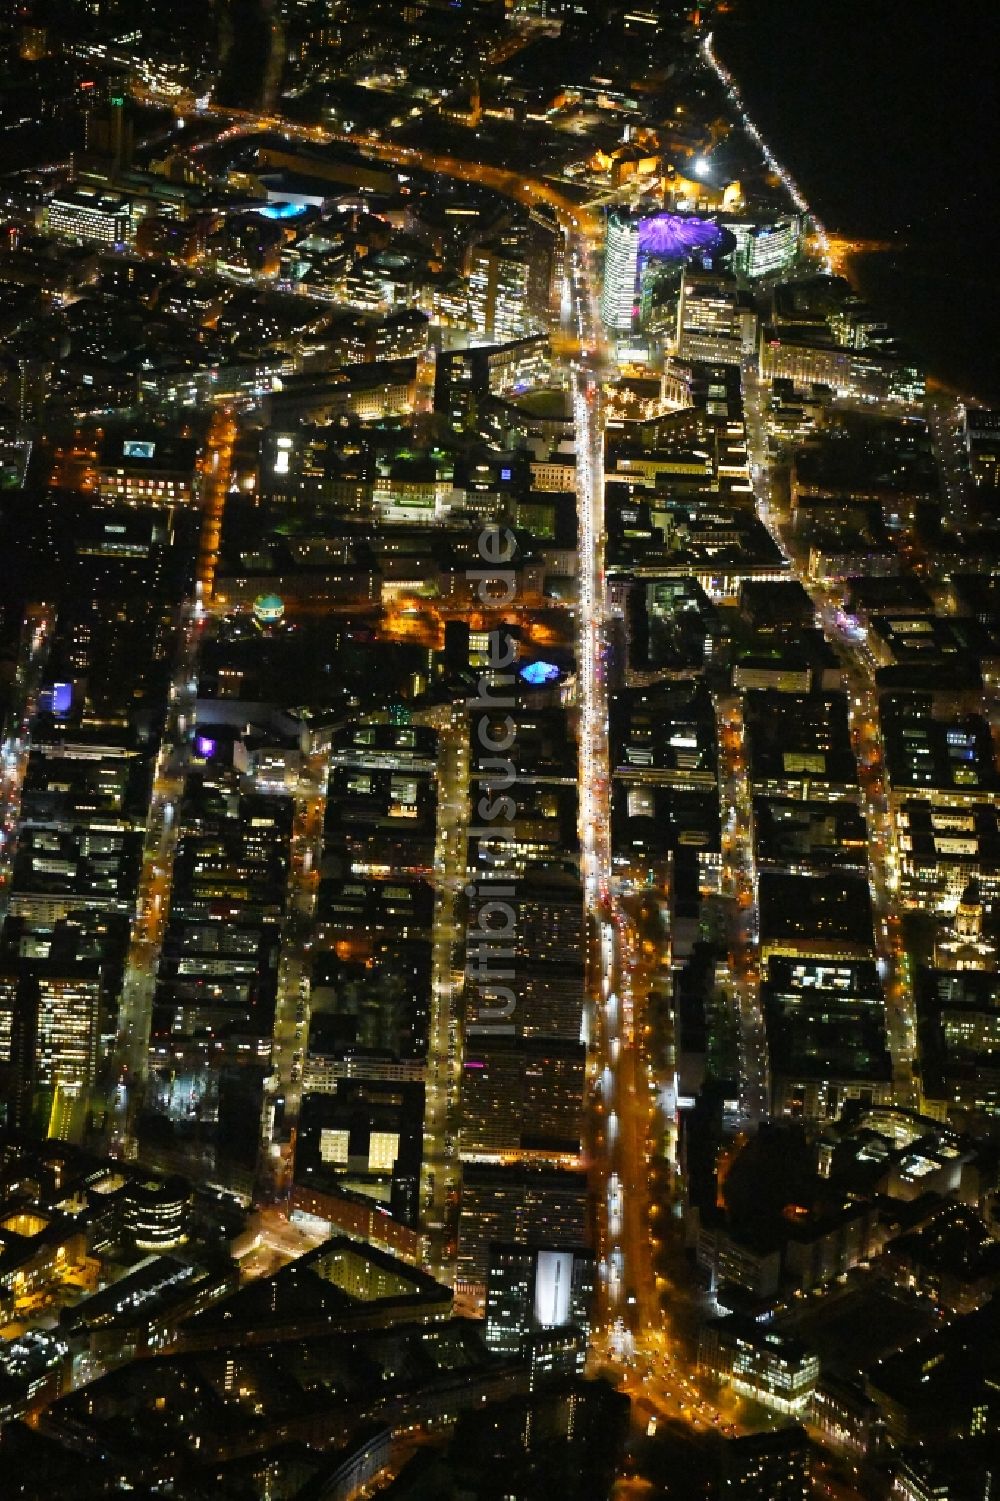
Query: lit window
x=333 y=1146
x=383 y=1149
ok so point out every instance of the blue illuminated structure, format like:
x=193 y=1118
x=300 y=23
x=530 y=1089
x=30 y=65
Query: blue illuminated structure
x=56 y=699
x=283 y=210
x=538 y=673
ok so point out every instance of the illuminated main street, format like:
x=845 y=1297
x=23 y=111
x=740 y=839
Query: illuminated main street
x=439 y=1178
x=162 y=825
x=736 y=811
x=629 y=1324
x=291 y=1012
x=36 y=636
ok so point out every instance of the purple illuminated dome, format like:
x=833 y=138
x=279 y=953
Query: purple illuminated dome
x=675 y=237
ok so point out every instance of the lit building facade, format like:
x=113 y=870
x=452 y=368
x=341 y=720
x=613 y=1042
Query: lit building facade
x=507 y=293
x=765 y=249
x=638 y=251
x=714 y=320
x=66 y=1032
x=759 y=1363
x=156 y=1213
x=621 y=270
x=517 y=1204
x=848 y=372
x=531 y=1289
x=90 y=215
x=148 y=470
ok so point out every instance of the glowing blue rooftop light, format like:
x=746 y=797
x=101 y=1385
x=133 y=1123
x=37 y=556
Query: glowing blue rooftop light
x=537 y=673
x=283 y=210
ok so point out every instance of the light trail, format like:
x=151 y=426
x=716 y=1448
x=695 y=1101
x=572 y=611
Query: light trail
x=628 y=1303
x=786 y=179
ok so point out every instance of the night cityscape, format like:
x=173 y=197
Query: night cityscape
x=499 y=729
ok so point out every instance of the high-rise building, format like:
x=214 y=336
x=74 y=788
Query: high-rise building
x=529 y=1205
x=959 y=1472
x=66 y=1031
x=644 y=256
x=530 y=1289
x=808 y=361
x=546 y=976
x=715 y=321
x=773 y=247
x=508 y=288
x=621 y=271
x=825 y=1025
x=763 y=249
x=109 y=132
x=49 y=1031
x=982 y=431
x=774 y=1369
x=365 y=1138
x=522 y=1094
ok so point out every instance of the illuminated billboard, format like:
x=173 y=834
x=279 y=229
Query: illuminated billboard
x=56 y=699
x=553 y=1285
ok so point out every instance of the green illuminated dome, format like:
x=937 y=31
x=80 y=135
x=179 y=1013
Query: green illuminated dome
x=268 y=608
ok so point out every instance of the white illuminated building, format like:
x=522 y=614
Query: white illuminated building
x=87 y=214
x=621 y=269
